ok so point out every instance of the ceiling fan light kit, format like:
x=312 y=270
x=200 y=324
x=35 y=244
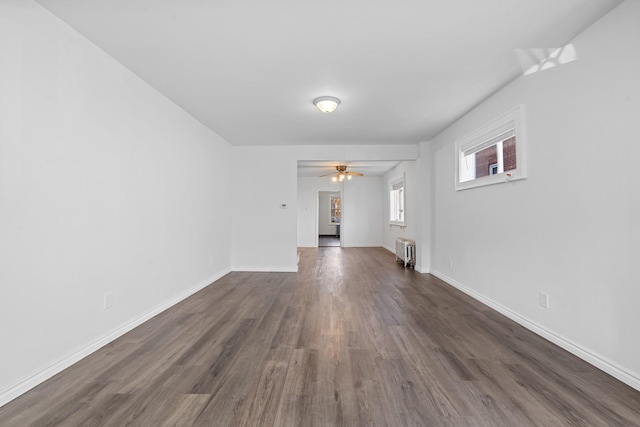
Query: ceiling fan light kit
x=341 y=174
x=326 y=104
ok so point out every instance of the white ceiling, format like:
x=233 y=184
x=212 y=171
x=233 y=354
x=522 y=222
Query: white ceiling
x=404 y=70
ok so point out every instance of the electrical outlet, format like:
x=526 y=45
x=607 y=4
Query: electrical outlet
x=544 y=300
x=450 y=263
x=211 y=260
x=108 y=300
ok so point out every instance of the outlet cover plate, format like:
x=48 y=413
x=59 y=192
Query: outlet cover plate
x=544 y=300
x=108 y=300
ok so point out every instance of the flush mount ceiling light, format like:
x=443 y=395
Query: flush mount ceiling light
x=326 y=104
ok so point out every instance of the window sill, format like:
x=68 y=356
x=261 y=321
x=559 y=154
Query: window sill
x=490 y=180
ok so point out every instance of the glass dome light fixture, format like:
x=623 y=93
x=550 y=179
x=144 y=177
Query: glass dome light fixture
x=326 y=104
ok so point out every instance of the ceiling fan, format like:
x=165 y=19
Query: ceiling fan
x=341 y=173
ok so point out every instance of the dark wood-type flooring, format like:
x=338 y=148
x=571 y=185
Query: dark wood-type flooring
x=324 y=241
x=353 y=339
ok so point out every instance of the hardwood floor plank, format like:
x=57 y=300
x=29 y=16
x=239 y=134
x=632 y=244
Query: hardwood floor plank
x=300 y=390
x=147 y=406
x=408 y=399
x=217 y=370
x=438 y=381
x=368 y=388
x=68 y=406
x=336 y=400
x=265 y=396
x=229 y=400
x=183 y=410
x=352 y=339
x=494 y=382
x=101 y=412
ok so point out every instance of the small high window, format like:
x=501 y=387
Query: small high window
x=494 y=153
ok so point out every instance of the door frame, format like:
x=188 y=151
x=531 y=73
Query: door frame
x=317 y=215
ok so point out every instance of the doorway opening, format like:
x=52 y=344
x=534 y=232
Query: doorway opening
x=329 y=218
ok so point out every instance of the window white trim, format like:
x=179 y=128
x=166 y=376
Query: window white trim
x=509 y=124
x=395 y=218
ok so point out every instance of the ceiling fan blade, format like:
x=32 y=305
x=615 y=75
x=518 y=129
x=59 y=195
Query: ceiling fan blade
x=354 y=173
x=327 y=174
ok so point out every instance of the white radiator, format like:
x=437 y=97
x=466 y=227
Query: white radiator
x=406 y=252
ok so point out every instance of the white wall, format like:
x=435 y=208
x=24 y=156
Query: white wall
x=105 y=186
x=362 y=213
x=361 y=208
x=424 y=174
x=571 y=229
x=324 y=213
x=264 y=234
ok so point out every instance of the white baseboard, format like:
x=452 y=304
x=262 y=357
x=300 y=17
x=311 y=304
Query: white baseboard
x=261 y=269
x=12 y=391
x=422 y=270
x=390 y=249
x=600 y=362
x=362 y=245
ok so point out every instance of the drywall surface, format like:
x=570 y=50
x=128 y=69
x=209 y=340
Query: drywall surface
x=362 y=213
x=424 y=169
x=264 y=209
x=106 y=187
x=571 y=228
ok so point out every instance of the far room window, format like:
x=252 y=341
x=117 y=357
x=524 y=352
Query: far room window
x=335 y=211
x=492 y=154
x=396 y=202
